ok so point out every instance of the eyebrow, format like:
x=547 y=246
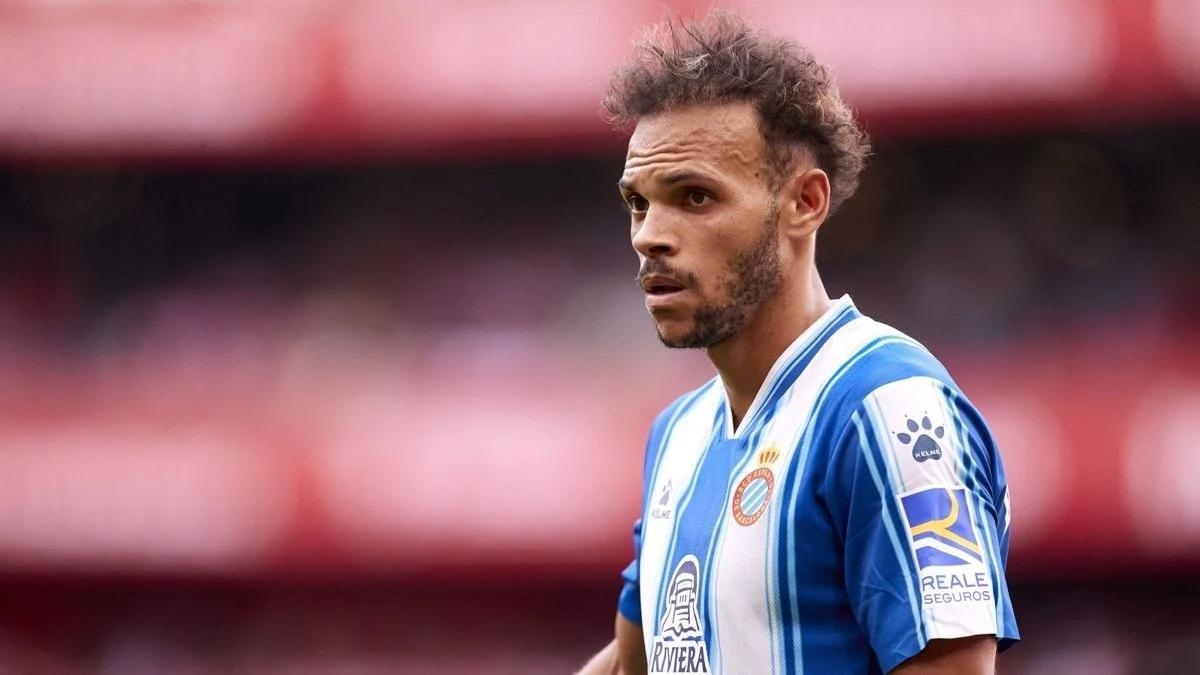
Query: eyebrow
x=672 y=178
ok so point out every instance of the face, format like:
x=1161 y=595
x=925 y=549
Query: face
x=703 y=221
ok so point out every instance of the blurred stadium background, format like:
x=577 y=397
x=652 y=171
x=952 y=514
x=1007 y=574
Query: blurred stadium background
x=320 y=350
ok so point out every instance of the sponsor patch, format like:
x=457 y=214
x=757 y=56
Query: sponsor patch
x=947 y=547
x=679 y=645
x=939 y=522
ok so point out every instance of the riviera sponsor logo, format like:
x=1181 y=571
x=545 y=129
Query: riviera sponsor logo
x=682 y=657
x=679 y=647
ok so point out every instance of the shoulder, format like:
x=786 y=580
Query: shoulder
x=881 y=362
x=885 y=355
x=901 y=406
x=900 y=375
x=697 y=404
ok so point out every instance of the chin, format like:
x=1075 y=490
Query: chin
x=681 y=336
x=674 y=332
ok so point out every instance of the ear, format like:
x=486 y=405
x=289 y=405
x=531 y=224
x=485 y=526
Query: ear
x=804 y=202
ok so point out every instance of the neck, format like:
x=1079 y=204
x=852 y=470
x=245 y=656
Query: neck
x=743 y=361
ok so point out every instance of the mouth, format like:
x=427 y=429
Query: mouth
x=663 y=293
x=661 y=285
x=663 y=289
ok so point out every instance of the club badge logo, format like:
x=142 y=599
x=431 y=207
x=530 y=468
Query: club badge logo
x=753 y=494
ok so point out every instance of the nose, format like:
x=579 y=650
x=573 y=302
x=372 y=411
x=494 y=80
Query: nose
x=654 y=237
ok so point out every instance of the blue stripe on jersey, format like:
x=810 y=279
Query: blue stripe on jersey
x=789 y=610
x=881 y=360
x=703 y=474
x=974 y=472
x=751 y=430
x=629 y=601
x=910 y=563
x=970 y=478
x=889 y=499
x=891 y=520
x=661 y=431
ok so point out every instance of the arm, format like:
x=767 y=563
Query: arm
x=623 y=656
x=967 y=656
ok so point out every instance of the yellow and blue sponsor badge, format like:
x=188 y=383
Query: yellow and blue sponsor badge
x=940 y=526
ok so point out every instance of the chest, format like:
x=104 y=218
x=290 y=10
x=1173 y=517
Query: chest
x=719 y=503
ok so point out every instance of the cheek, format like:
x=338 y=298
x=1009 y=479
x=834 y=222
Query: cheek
x=720 y=252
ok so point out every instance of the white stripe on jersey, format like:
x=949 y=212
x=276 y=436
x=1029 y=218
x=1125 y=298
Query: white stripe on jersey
x=677 y=464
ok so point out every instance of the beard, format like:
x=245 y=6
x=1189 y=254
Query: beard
x=754 y=278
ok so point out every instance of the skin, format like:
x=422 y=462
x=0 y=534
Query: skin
x=702 y=201
x=698 y=188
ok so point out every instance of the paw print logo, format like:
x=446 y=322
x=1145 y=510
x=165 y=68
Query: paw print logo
x=925 y=447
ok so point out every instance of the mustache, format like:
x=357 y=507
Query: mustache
x=659 y=267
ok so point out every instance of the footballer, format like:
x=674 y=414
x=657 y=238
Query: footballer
x=830 y=502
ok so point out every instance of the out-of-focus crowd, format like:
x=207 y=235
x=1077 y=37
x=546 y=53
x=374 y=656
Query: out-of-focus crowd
x=196 y=298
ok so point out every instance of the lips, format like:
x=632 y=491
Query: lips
x=664 y=293
x=661 y=284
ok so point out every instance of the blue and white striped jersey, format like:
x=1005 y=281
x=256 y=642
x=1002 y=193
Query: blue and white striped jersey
x=859 y=510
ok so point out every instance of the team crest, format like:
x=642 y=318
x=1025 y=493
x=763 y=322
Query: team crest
x=752 y=495
x=679 y=646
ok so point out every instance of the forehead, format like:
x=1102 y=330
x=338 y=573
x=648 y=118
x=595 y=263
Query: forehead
x=723 y=140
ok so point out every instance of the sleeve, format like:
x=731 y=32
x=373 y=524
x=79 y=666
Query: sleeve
x=917 y=491
x=630 y=602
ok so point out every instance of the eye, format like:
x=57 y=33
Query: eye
x=637 y=203
x=698 y=198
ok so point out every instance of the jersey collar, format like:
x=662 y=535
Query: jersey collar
x=839 y=307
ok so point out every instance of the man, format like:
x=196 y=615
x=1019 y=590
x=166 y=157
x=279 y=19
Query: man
x=830 y=502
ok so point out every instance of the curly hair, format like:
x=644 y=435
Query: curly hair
x=722 y=59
